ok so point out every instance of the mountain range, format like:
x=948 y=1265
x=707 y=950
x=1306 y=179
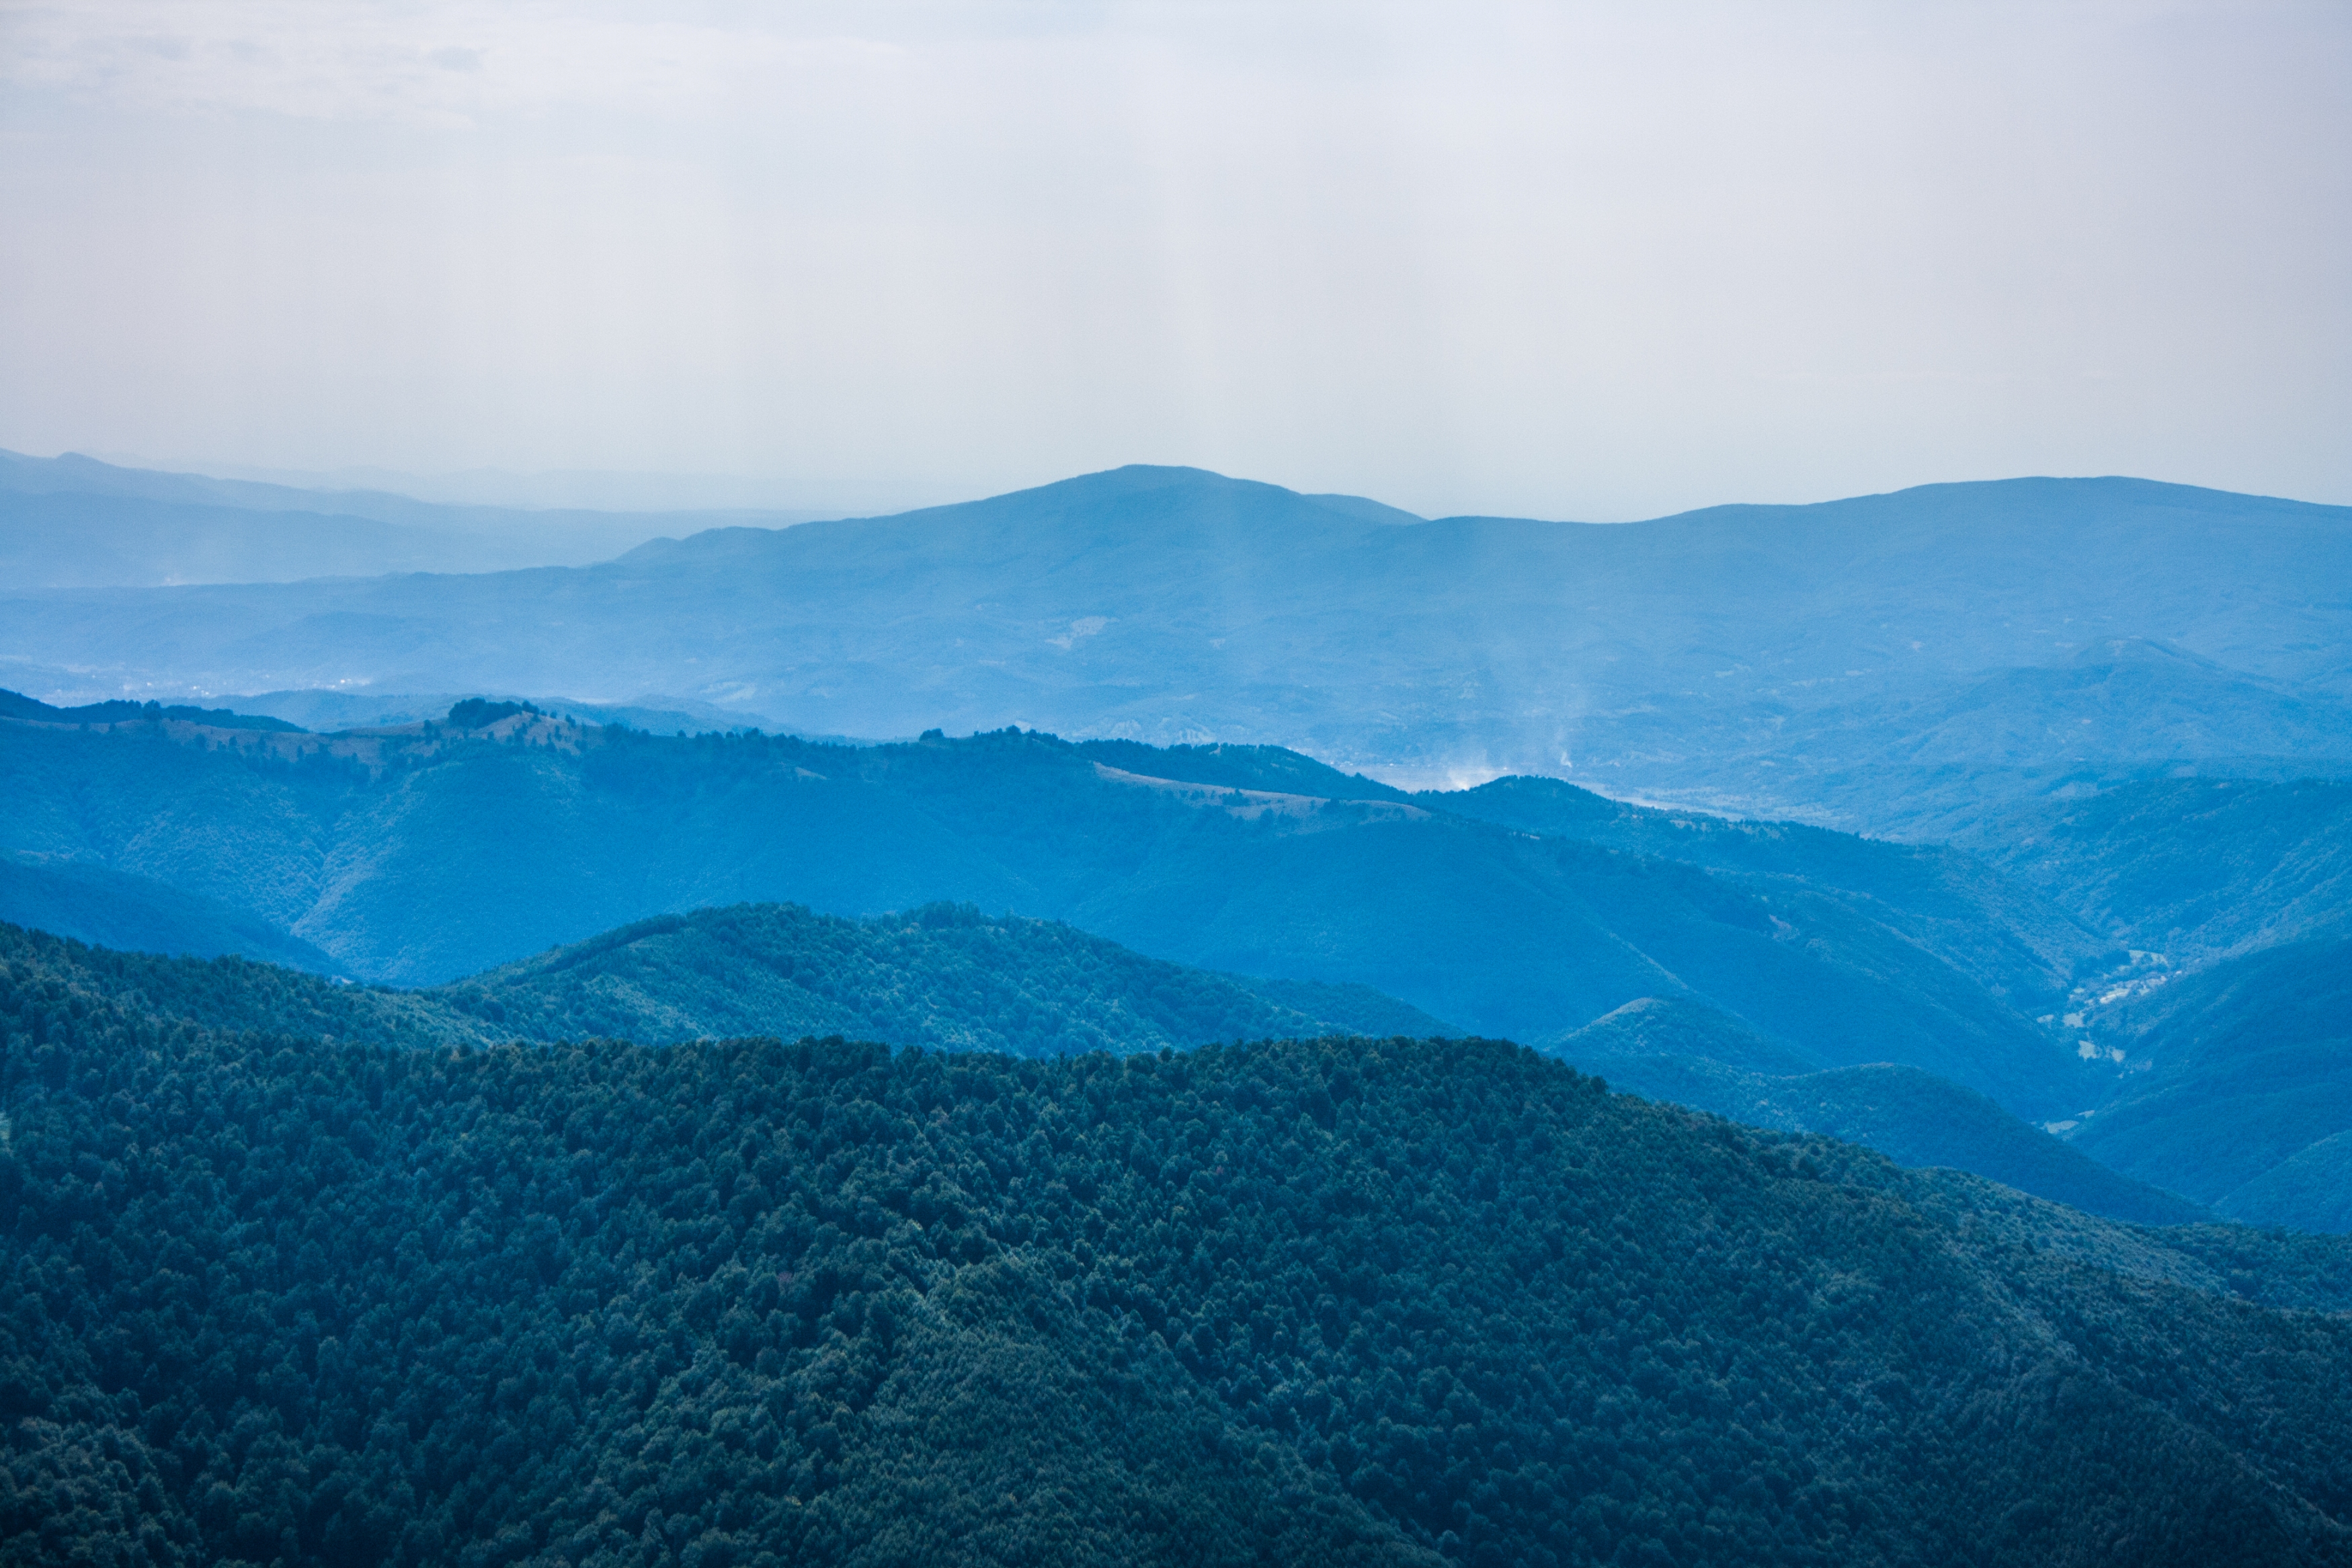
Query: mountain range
x=446 y=1119
x=1942 y=1006
x=75 y=522
x=1901 y=664
x=422 y=853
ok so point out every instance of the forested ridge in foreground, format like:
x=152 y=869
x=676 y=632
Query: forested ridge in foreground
x=284 y=1300
x=945 y=977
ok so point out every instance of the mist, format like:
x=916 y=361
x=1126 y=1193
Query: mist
x=1563 y=261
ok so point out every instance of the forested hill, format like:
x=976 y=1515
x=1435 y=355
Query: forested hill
x=1688 y=1054
x=944 y=977
x=422 y=853
x=276 y=1299
x=2195 y=869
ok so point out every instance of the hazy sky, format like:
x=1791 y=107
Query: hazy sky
x=1595 y=261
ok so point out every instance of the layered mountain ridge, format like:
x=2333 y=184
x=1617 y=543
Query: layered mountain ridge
x=1526 y=906
x=1891 y=662
x=422 y=853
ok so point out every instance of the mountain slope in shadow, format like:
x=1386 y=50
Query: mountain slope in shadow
x=429 y=851
x=1691 y=1055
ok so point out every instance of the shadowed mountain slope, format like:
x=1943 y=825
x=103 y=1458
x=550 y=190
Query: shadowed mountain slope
x=422 y=853
x=1947 y=901
x=2311 y=1190
x=109 y=908
x=2239 y=1069
x=1691 y=1055
x=2196 y=869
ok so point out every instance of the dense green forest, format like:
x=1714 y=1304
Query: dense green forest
x=279 y=1298
x=946 y=978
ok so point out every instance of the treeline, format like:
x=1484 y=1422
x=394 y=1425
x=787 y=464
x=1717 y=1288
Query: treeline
x=944 y=977
x=15 y=705
x=275 y=1300
x=232 y=995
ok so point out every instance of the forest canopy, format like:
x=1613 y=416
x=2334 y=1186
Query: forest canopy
x=280 y=1298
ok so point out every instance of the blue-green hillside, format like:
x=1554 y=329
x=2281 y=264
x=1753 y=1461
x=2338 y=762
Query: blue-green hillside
x=1691 y=1055
x=2196 y=869
x=432 y=850
x=2013 y=937
x=2241 y=1068
x=97 y=904
x=941 y=977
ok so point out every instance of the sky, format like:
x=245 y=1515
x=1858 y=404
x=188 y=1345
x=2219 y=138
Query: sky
x=1561 y=260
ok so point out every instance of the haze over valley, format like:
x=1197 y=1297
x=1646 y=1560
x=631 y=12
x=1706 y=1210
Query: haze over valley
x=1893 y=663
